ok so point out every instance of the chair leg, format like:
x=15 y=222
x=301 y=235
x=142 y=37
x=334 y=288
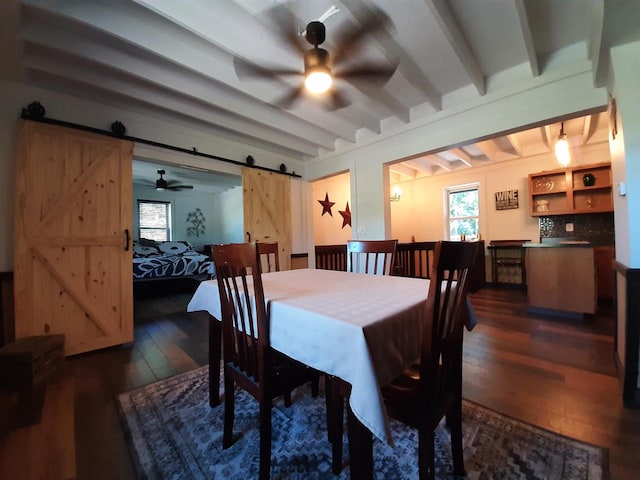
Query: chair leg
x=265 y=439
x=287 y=399
x=229 y=407
x=215 y=339
x=335 y=422
x=426 y=454
x=454 y=420
x=360 y=448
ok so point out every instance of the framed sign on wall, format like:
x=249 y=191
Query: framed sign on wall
x=507 y=200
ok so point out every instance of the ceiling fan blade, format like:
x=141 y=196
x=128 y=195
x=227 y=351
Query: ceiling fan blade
x=373 y=21
x=290 y=98
x=180 y=187
x=376 y=74
x=336 y=100
x=287 y=26
x=246 y=70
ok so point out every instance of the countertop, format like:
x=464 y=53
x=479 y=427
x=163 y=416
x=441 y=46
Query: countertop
x=563 y=244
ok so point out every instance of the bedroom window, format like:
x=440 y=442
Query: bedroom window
x=154 y=220
x=463 y=212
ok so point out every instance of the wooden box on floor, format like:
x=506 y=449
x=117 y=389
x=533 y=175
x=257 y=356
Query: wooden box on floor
x=30 y=360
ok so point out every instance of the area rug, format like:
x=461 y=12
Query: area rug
x=174 y=434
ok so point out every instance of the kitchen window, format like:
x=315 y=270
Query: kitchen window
x=154 y=220
x=463 y=212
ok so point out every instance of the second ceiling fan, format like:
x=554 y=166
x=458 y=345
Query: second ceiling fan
x=162 y=184
x=320 y=67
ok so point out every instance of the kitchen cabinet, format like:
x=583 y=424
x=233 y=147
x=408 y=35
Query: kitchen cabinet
x=561 y=278
x=582 y=189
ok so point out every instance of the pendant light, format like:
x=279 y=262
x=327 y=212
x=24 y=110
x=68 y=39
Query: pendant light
x=562 y=148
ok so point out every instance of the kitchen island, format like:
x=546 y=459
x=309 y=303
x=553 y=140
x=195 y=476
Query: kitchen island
x=561 y=278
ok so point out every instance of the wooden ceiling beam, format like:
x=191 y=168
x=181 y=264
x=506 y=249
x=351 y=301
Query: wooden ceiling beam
x=394 y=52
x=447 y=22
x=403 y=169
x=490 y=148
x=527 y=37
x=515 y=144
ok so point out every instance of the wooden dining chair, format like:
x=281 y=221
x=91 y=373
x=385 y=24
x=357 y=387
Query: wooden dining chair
x=432 y=389
x=363 y=256
x=269 y=256
x=371 y=256
x=249 y=361
x=331 y=257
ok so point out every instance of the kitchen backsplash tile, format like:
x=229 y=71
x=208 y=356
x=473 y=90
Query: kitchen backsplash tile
x=597 y=228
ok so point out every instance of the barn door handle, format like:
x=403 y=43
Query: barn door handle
x=249 y=237
x=126 y=239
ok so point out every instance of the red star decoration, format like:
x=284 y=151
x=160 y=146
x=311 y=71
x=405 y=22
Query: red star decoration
x=326 y=205
x=346 y=216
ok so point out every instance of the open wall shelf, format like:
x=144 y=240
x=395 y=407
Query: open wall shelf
x=582 y=189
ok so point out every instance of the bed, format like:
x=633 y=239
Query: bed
x=169 y=260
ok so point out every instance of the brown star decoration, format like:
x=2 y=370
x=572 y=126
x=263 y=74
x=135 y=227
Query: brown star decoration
x=346 y=216
x=326 y=205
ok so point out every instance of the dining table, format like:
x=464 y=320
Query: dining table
x=363 y=329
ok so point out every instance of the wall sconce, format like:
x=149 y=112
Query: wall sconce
x=562 y=148
x=397 y=193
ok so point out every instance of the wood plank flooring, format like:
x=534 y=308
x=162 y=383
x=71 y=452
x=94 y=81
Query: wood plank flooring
x=551 y=372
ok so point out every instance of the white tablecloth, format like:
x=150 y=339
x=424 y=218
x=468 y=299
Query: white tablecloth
x=365 y=329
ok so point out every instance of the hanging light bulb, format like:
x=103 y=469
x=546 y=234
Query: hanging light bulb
x=318 y=80
x=562 y=148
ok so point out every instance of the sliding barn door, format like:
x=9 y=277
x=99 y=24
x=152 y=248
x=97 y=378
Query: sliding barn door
x=267 y=210
x=73 y=263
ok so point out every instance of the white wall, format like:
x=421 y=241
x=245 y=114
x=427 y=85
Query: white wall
x=301 y=226
x=327 y=229
x=229 y=217
x=421 y=210
x=626 y=151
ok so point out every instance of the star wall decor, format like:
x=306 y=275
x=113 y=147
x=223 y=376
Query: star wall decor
x=326 y=204
x=346 y=216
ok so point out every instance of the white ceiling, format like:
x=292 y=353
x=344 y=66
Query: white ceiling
x=175 y=60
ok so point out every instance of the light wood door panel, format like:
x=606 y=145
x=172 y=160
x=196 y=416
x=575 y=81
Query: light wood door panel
x=73 y=272
x=267 y=210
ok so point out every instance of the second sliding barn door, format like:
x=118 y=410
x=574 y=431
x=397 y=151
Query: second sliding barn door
x=267 y=210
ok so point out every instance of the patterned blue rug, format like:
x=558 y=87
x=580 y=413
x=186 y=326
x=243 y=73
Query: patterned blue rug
x=174 y=434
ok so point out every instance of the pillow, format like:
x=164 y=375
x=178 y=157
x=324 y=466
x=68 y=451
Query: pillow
x=141 y=250
x=175 y=248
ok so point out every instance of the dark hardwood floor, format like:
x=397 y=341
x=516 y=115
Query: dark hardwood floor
x=552 y=372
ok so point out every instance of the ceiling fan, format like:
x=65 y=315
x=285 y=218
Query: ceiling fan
x=320 y=67
x=162 y=184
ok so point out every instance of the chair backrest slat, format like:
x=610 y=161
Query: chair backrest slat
x=371 y=256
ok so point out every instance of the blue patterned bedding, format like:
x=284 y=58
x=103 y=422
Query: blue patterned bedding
x=152 y=260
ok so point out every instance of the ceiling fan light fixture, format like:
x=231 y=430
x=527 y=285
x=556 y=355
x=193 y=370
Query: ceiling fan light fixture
x=562 y=148
x=317 y=73
x=318 y=80
x=161 y=183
